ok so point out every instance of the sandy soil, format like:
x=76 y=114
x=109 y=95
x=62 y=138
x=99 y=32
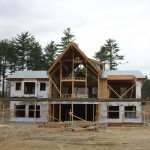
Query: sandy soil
x=30 y=137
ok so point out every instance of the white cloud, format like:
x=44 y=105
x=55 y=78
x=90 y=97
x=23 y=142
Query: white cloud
x=92 y=21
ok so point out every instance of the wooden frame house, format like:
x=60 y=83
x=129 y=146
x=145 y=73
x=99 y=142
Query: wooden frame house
x=80 y=89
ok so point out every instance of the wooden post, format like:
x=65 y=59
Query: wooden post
x=47 y=114
x=53 y=112
x=86 y=90
x=50 y=87
x=98 y=89
x=34 y=112
x=60 y=79
x=99 y=111
x=72 y=113
x=59 y=112
x=72 y=76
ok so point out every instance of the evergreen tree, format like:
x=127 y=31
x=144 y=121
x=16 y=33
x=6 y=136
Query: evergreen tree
x=66 y=39
x=4 y=62
x=50 y=53
x=13 y=57
x=146 y=88
x=23 y=47
x=34 y=61
x=108 y=54
x=29 y=52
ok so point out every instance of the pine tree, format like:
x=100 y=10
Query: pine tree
x=50 y=53
x=22 y=44
x=108 y=54
x=4 y=62
x=29 y=52
x=66 y=39
x=146 y=88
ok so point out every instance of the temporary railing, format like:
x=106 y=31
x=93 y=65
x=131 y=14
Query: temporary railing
x=73 y=78
x=74 y=96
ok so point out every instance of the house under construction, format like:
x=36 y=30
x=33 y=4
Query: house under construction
x=77 y=85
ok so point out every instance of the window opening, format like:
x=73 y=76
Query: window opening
x=29 y=88
x=31 y=111
x=20 y=111
x=113 y=112
x=130 y=112
x=18 y=86
x=42 y=86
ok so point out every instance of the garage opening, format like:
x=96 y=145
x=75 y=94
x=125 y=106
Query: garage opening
x=20 y=111
x=60 y=112
x=113 y=112
x=31 y=111
x=130 y=112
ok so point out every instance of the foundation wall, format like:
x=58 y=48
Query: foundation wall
x=41 y=118
x=104 y=112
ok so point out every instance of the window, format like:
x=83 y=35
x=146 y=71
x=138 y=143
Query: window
x=42 y=86
x=18 y=86
x=29 y=88
x=31 y=111
x=20 y=111
x=113 y=112
x=130 y=112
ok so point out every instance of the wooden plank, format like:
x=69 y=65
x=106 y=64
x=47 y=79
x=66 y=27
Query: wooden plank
x=58 y=125
x=111 y=77
x=113 y=90
x=128 y=90
x=59 y=112
x=35 y=112
x=55 y=86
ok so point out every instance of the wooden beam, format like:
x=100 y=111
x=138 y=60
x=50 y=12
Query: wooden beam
x=60 y=79
x=113 y=90
x=128 y=90
x=92 y=69
x=34 y=112
x=93 y=113
x=86 y=92
x=55 y=85
x=72 y=75
x=111 y=77
x=59 y=112
x=72 y=111
x=50 y=87
x=76 y=117
x=55 y=70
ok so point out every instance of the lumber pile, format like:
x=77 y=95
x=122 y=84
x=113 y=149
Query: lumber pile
x=55 y=125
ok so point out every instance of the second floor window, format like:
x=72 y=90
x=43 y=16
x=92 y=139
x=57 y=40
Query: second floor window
x=29 y=88
x=18 y=86
x=42 y=86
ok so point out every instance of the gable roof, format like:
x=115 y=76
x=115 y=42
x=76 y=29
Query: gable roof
x=28 y=74
x=66 y=53
x=137 y=74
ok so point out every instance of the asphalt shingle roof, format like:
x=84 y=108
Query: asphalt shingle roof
x=29 y=74
x=137 y=74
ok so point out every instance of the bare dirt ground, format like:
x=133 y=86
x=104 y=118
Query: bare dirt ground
x=30 y=137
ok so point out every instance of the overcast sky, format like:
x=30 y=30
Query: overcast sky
x=92 y=22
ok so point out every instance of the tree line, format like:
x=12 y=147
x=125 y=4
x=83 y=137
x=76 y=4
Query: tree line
x=23 y=52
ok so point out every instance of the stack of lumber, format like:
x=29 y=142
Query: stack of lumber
x=84 y=127
x=51 y=125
